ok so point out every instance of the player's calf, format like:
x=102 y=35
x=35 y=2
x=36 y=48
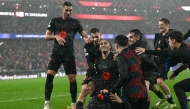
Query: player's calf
x=82 y=95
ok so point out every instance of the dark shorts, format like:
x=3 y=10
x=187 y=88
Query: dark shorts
x=138 y=104
x=163 y=72
x=68 y=62
x=163 y=69
x=89 y=73
x=151 y=76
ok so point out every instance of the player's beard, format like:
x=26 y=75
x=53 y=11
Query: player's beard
x=67 y=16
x=104 y=50
x=162 y=30
x=96 y=42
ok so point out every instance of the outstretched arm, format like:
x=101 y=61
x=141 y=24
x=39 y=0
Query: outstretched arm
x=166 y=53
x=85 y=37
x=177 y=71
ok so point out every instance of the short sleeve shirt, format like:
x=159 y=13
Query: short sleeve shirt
x=69 y=28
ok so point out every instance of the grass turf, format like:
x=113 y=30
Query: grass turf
x=29 y=93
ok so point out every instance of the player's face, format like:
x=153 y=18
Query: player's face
x=67 y=11
x=132 y=38
x=95 y=37
x=105 y=46
x=91 y=87
x=163 y=26
x=171 y=43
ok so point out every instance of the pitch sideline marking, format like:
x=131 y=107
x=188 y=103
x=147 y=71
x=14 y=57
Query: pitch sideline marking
x=31 y=98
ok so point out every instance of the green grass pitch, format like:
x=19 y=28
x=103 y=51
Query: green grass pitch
x=29 y=93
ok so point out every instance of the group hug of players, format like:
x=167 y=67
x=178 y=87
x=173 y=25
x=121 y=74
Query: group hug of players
x=120 y=80
x=123 y=80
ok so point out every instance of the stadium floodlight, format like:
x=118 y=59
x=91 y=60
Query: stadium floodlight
x=186 y=8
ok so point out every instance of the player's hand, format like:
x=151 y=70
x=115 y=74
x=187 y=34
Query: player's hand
x=60 y=40
x=115 y=55
x=115 y=98
x=139 y=50
x=104 y=91
x=172 y=76
x=87 y=40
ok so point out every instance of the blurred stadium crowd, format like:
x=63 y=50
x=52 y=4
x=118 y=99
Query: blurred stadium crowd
x=33 y=54
x=39 y=25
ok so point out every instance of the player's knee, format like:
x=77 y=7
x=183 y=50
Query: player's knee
x=176 y=86
x=72 y=77
x=160 y=81
x=84 y=88
x=51 y=72
x=147 y=83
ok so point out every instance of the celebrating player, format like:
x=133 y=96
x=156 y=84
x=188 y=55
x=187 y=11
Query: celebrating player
x=64 y=29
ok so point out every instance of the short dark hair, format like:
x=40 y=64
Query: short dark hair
x=94 y=30
x=165 y=20
x=177 y=35
x=121 y=40
x=136 y=32
x=67 y=4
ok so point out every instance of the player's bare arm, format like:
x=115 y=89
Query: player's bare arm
x=49 y=36
x=85 y=37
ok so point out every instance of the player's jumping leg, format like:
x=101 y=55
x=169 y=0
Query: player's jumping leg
x=180 y=88
x=148 y=91
x=160 y=95
x=166 y=91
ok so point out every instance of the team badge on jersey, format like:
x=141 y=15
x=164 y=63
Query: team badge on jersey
x=63 y=34
x=106 y=75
